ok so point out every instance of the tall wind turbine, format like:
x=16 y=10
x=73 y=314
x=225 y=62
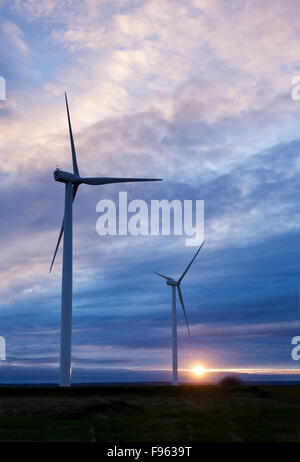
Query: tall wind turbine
x=174 y=284
x=72 y=182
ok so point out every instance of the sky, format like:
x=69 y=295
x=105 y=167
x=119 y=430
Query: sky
x=196 y=92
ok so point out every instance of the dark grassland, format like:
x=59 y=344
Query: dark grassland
x=188 y=413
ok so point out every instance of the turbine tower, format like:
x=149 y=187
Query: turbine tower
x=171 y=282
x=72 y=182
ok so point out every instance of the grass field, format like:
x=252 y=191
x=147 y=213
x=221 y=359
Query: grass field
x=189 y=413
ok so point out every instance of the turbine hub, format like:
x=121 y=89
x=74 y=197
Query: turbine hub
x=64 y=177
x=172 y=283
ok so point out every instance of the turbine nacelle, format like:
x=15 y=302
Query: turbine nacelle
x=65 y=177
x=173 y=283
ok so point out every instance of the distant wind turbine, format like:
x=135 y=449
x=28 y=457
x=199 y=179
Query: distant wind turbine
x=174 y=284
x=72 y=182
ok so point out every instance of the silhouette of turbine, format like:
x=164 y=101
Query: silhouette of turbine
x=72 y=182
x=171 y=282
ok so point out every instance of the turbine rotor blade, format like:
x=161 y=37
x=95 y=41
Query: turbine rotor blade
x=99 y=180
x=75 y=187
x=190 y=264
x=75 y=166
x=57 y=245
x=162 y=276
x=183 y=308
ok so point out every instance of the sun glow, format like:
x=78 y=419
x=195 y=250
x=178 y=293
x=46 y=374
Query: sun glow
x=198 y=370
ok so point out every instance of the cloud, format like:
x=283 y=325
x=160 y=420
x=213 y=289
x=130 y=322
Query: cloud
x=15 y=36
x=197 y=93
x=248 y=330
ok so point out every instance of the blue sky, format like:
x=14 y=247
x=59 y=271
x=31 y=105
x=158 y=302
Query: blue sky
x=196 y=92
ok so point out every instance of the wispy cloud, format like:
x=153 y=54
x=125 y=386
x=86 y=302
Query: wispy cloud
x=15 y=36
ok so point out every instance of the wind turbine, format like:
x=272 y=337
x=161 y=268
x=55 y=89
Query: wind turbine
x=171 y=282
x=72 y=182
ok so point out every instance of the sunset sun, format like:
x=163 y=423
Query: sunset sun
x=198 y=370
